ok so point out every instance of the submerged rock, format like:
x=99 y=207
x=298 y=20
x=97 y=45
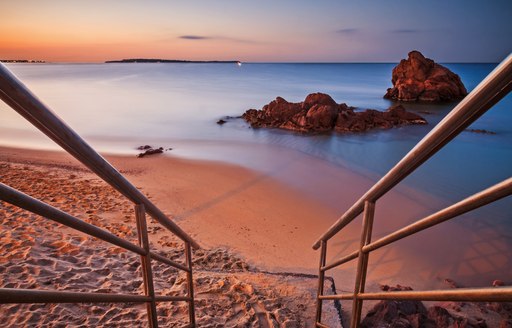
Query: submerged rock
x=226 y=119
x=414 y=314
x=148 y=150
x=421 y=79
x=481 y=131
x=145 y=147
x=320 y=113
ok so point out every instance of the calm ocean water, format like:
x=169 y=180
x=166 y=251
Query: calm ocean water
x=117 y=107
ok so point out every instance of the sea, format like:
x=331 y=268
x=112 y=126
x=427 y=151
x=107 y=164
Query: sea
x=119 y=106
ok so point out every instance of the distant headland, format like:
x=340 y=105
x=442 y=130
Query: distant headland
x=21 y=61
x=148 y=60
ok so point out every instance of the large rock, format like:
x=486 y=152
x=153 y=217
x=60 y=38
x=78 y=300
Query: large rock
x=320 y=113
x=407 y=314
x=421 y=79
x=414 y=314
x=318 y=99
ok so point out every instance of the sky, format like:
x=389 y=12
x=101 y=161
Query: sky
x=256 y=31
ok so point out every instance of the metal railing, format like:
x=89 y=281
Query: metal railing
x=492 y=89
x=14 y=93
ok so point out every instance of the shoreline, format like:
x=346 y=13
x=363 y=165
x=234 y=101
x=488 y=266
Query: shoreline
x=41 y=254
x=244 y=220
x=271 y=219
x=205 y=198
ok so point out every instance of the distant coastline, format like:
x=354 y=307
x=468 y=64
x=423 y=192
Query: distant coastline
x=148 y=60
x=21 y=61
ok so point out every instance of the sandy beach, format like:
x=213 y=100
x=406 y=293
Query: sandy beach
x=257 y=130
x=247 y=223
x=271 y=224
x=233 y=288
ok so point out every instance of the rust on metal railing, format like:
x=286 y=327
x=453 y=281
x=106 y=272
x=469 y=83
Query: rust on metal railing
x=492 y=89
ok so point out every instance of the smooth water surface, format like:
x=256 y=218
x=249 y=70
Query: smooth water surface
x=119 y=106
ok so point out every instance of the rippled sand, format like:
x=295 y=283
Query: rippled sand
x=41 y=254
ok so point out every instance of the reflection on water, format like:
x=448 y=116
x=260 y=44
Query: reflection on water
x=119 y=106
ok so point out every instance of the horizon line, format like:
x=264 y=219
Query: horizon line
x=205 y=61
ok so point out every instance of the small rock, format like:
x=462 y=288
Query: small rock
x=144 y=147
x=481 y=131
x=451 y=283
x=498 y=283
x=221 y=121
x=151 y=151
x=440 y=316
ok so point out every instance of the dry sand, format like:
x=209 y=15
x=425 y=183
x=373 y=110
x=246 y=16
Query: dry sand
x=39 y=253
x=247 y=223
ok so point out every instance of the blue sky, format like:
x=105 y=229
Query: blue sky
x=296 y=31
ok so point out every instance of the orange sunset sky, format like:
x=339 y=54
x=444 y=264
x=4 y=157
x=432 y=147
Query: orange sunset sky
x=323 y=31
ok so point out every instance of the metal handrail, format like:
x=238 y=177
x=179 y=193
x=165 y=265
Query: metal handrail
x=492 y=89
x=21 y=200
x=487 y=294
x=14 y=93
x=487 y=196
x=21 y=295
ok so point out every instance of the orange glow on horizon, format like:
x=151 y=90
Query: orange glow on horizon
x=334 y=31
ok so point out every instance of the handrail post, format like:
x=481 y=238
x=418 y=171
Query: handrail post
x=486 y=94
x=321 y=280
x=190 y=284
x=362 y=263
x=15 y=94
x=149 y=289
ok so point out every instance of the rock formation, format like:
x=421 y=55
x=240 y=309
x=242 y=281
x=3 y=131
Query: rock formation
x=320 y=113
x=414 y=314
x=148 y=150
x=421 y=79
